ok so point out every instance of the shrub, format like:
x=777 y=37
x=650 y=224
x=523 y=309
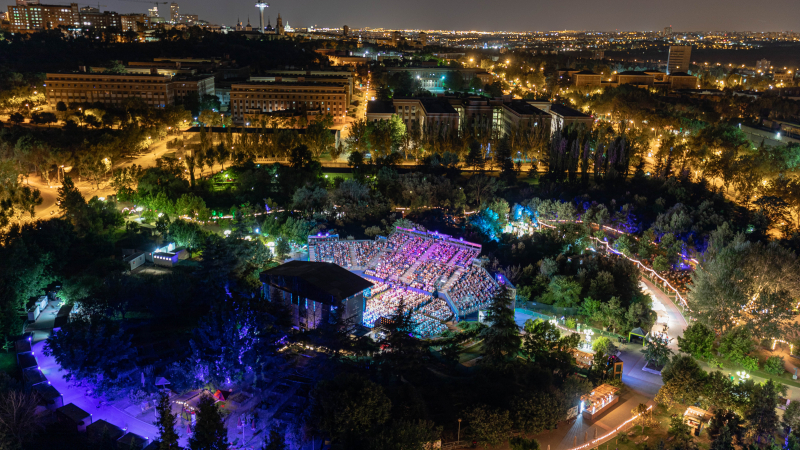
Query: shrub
x=774 y=365
x=749 y=363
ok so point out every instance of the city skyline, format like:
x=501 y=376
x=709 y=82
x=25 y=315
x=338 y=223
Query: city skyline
x=616 y=15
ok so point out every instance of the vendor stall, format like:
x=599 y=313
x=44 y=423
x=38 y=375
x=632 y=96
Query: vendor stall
x=598 y=401
x=696 y=418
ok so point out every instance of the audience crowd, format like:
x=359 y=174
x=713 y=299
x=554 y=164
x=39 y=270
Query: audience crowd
x=335 y=252
x=438 y=309
x=472 y=290
x=427 y=274
x=366 y=250
x=464 y=257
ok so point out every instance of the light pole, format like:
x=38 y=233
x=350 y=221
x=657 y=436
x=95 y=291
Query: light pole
x=459 y=430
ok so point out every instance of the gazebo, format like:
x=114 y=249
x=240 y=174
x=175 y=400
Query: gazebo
x=639 y=333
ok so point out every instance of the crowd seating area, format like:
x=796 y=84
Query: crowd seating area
x=427 y=327
x=473 y=290
x=397 y=240
x=386 y=303
x=366 y=250
x=437 y=308
x=427 y=274
x=464 y=257
x=415 y=247
x=442 y=251
x=335 y=252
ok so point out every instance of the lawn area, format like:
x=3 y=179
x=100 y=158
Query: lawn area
x=8 y=363
x=332 y=176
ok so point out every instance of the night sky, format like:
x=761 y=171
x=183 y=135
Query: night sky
x=511 y=15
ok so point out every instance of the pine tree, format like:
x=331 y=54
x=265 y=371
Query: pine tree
x=165 y=421
x=209 y=432
x=276 y=440
x=501 y=340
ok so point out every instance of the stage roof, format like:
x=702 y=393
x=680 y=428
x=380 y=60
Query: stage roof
x=318 y=281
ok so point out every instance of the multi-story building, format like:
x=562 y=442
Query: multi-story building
x=24 y=16
x=668 y=31
x=195 y=85
x=262 y=98
x=682 y=80
x=109 y=89
x=783 y=76
x=433 y=114
x=680 y=58
x=310 y=76
x=29 y=17
x=174 y=13
x=498 y=117
x=564 y=116
x=763 y=65
x=134 y=22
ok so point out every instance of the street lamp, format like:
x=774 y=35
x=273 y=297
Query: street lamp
x=459 y=430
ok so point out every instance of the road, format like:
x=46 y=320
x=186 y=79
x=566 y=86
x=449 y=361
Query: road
x=49 y=193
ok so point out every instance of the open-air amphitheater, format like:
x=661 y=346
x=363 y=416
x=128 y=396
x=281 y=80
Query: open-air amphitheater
x=411 y=266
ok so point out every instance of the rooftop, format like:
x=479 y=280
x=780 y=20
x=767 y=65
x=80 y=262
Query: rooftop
x=522 y=107
x=380 y=107
x=635 y=73
x=326 y=278
x=566 y=111
x=74 y=413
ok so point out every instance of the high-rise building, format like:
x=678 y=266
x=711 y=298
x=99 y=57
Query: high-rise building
x=153 y=12
x=345 y=30
x=680 y=57
x=763 y=65
x=423 y=38
x=668 y=31
x=174 y=13
x=279 y=25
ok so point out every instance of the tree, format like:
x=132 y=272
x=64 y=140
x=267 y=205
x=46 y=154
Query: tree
x=562 y=291
x=761 y=415
x=723 y=441
x=282 y=248
x=683 y=381
x=71 y=202
x=209 y=431
x=539 y=411
x=604 y=345
x=680 y=430
x=656 y=350
x=521 y=443
x=481 y=187
x=487 y=425
x=697 y=340
x=16 y=118
x=737 y=281
x=18 y=417
x=406 y=435
x=349 y=407
x=475 y=158
x=75 y=349
x=791 y=417
x=501 y=340
x=276 y=440
x=729 y=421
x=736 y=344
x=165 y=422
